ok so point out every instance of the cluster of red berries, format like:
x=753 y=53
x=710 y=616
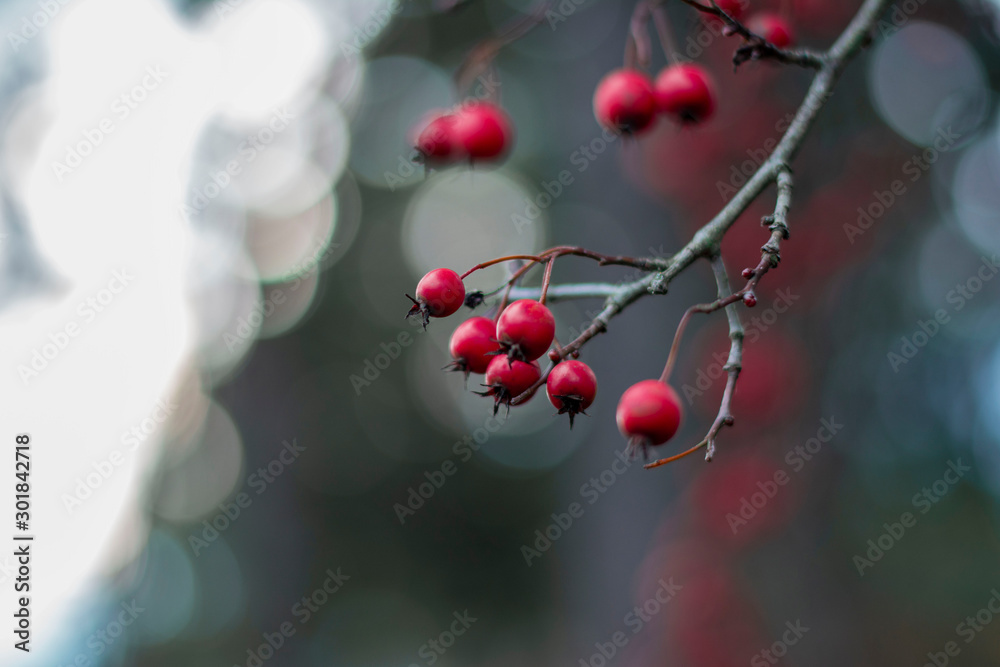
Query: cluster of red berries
x=507 y=351
x=627 y=100
x=476 y=131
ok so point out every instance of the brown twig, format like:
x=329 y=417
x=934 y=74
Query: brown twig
x=756 y=47
x=733 y=367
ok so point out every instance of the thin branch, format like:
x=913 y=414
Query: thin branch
x=733 y=367
x=567 y=292
x=756 y=47
x=638 y=50
x=480 y=59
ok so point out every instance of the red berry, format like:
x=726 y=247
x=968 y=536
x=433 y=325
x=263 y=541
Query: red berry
x=571 y=387
x=526 y=329
x=506 y=380
x=624 y=101
x=649 y=413
x=439 y=294
x=750 y=300
x=482 y=130
x=436 y=142
x=686 y=93
x=473 y=345
x=773 y=28
x=735 y=8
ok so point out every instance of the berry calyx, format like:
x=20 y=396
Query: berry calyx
x=571 y=387
x=439 y=294
x=482 y=130
x=473 y=346
x=436 y=143
x=772 y=27
x=649 y=414
x=624 y=101
x=506 y=380
x=525 y=330
x=685 y=93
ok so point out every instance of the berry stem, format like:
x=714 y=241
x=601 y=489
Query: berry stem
x=638 y=53
x=679 y=334
x=676 y=457
x=547 y=278
x=499 y=260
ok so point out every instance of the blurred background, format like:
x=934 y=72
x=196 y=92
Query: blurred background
x=244 y=456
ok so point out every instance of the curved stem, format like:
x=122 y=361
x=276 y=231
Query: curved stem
x=547 y=278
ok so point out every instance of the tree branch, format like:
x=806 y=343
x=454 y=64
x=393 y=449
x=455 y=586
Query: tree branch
x=758 y=48
x=775 y=169
x=733 y=365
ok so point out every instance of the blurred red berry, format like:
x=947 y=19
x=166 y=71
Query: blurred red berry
x=772 y=27
x=526 y=329
x=744 y=499
x=439 y=294
x=571 y=387
x=685 y=93
x=473 y=345
x=624 y=101
x=506 y=380
x=750 y=300
x=436 y=142
x=482 y=130
x=649 y=413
